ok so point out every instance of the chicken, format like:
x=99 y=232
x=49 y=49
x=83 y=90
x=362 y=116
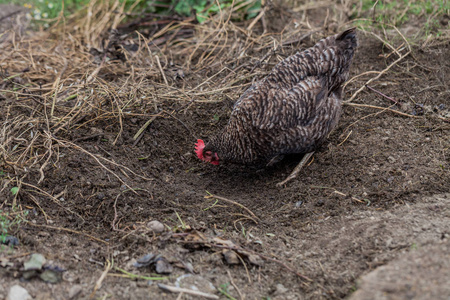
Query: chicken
x=292 y=110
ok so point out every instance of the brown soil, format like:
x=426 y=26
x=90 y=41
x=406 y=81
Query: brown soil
x=375 y=192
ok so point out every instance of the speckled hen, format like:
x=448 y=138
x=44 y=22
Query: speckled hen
x=292 y=110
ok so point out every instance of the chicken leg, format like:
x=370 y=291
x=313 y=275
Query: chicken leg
x=297 y=169
x=275 y=160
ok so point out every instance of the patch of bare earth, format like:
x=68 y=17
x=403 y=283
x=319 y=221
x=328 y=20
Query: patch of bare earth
x=373 y=204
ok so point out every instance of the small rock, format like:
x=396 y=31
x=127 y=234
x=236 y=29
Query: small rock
x=391 y=159
x=145 y=260
x=35 y=262
x=280 y=289
x=131 y=263
x=195 y=282
x=52 y=275
x=298 y=203
x=155 y=226
x=162 y=266
x=256 y=260
x=75 y=291
x=16 y=292
x=230 y=257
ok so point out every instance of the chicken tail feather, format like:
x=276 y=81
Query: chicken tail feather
x=348 y=38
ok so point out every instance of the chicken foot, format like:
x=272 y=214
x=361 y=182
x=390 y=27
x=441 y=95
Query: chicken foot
x=297 y=169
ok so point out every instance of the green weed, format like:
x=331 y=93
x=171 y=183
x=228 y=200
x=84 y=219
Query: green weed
x=204 y=8
x=223 y=289
x=398 y=12
x=10 y=222
x=45 y=10
x=48 y=9
x=14 y=190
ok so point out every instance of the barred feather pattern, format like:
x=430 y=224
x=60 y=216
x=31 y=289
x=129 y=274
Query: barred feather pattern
x=293 y=109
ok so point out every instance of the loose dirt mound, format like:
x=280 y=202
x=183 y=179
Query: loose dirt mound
x=417 y=275
x=71 y=110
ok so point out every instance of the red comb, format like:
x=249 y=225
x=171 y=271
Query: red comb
x=199 y=148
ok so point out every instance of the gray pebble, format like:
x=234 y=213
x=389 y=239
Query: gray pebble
x=75 y=291
x=280 y=289
x=16 y=292
x=155 y=226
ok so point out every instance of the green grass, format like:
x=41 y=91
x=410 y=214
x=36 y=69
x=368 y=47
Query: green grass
x=398 y=12
x=48 y=9
x=10 y=222
x=204 y=8
x=223 y=289
x=45 y=10
x=10 y=219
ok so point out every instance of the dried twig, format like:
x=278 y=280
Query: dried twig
x=342 y=194
x=235 y=286
x=353 y=198
x=382 y=108
x=99 y=282
x=141 y=130
x=174 y=289
x=161 y=70
x=381 y=94
x=233 y=202
x=113 y=223
x=258 y=17
x=348 y=135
